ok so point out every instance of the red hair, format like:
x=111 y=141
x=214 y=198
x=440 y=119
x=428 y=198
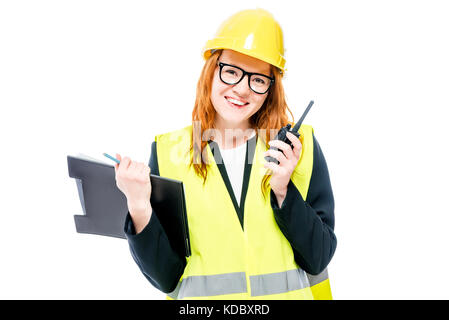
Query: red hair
x=272 y=114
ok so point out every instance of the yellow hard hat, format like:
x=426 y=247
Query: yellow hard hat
x=251 y=32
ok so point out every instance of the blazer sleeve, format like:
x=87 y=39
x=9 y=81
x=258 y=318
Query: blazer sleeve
x=309 y=224
x=151 y=249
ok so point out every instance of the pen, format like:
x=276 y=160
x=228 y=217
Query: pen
x=111 y=157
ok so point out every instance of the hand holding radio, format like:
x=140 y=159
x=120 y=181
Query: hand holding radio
x=287 y=159
x=283 y=156
x=282 y=134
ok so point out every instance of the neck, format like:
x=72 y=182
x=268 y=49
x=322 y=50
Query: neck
x=232 y=135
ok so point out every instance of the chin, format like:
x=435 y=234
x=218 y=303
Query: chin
x=233 y=117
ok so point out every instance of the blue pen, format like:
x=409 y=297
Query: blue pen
x=111 y=157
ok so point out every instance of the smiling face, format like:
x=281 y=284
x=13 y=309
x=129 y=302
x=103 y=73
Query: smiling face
x=235 y=104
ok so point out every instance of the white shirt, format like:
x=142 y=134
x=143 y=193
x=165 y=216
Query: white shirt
x=234 y=161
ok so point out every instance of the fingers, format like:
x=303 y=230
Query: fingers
x=132 y=166
x=278 y=155
x=119 y=158
x=124 y=164
x=136 y=171
x=285 y=148
x=131 y=169
x=143 y=171
x=287 y=157
x=297 y=146
x=273 y=167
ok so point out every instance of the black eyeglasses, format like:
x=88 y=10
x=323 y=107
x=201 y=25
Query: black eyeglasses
x=257 y=82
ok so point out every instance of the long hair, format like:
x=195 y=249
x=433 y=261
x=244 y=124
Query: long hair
x=272 y=115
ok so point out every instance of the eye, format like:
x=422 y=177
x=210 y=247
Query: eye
x=259 y=80
x=231 y=72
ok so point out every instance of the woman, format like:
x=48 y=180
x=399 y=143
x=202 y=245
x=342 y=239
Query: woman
x=258 y=230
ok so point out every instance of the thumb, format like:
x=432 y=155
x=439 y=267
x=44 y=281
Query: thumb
x=119 y=158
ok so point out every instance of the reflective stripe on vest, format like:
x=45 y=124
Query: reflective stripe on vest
x=230 y=283
x=280 y=282
x=314 y=280
x=204 y=286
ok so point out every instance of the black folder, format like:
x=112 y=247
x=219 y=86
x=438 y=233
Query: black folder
x=105 y=206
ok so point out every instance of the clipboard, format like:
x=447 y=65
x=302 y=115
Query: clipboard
x=105 y=206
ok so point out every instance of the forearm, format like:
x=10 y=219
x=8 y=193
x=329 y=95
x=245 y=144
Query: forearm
x=312 y=240
x=153 y=254
x=308 y=224
x=149 y=244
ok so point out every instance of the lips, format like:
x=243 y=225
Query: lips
x=229 y=99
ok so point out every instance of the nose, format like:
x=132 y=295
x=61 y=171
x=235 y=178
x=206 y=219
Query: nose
x=242 y=88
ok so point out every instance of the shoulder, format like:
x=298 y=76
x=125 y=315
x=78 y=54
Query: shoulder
x=306 y=137
x=306 y=130
x=309 y=140
x=173 y=145
x=175 y=135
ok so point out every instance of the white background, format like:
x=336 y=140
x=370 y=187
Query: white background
x=106 y=76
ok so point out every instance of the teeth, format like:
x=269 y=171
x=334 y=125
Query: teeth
x=235 y=101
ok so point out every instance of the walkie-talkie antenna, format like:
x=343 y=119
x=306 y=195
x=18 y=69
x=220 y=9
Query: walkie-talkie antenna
x=298 y=124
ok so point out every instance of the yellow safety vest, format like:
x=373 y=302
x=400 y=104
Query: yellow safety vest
x=229 y=262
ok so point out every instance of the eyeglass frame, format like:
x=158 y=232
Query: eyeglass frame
x=222 y=64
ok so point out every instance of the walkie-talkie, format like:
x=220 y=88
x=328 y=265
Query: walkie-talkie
x=282 y=134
